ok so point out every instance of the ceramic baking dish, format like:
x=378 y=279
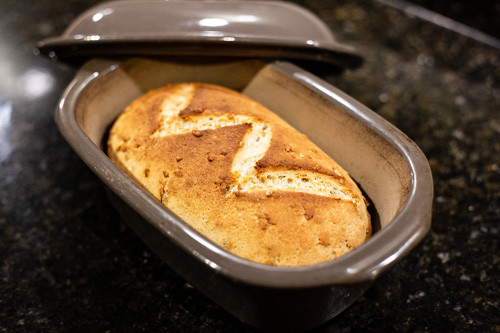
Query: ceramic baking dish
x=389 y=167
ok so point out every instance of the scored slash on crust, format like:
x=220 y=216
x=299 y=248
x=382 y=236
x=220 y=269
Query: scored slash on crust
x=253 y=147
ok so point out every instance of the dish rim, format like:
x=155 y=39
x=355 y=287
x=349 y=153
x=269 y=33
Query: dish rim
x=365 y=263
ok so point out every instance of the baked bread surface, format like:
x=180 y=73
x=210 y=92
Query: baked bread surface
x=240 y=175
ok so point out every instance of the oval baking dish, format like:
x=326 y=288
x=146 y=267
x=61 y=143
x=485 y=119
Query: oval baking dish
x=389 y=167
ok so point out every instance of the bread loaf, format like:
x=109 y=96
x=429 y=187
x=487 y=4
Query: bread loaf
x=240 y=175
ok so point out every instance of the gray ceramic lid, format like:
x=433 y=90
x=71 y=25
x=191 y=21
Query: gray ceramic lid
x=220 y=29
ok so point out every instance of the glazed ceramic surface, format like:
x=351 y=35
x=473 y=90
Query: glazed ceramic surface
x=263 y=29
x=389 y=167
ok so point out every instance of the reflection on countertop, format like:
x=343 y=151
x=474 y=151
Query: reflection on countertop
x=69 y=262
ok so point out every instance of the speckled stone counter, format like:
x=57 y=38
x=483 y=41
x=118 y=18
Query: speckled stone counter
x=68 y=262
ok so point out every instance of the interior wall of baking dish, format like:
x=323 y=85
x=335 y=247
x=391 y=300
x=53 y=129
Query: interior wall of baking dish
x=111 y=90
x=375 y=163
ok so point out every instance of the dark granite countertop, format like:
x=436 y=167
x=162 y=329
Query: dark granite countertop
x=68 y=262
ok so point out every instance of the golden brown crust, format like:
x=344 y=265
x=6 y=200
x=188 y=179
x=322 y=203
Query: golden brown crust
x=195 y=147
